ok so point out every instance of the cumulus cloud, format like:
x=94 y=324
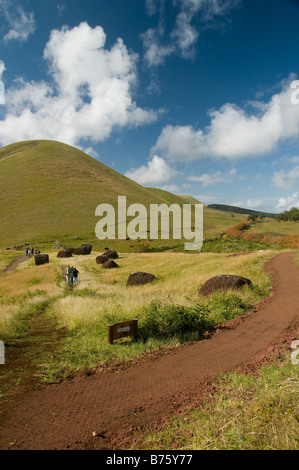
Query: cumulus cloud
x=2 y=68
x=208 y=179
x=21 y=24
x=274 y=204
x=233 y=133
x=184 y=35
x=287 y=202
x=155 y=53
x=286 y=179
x=87 y=96
x=156 y=172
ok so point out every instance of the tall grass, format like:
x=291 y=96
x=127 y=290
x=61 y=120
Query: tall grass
x=15 y=315
x=169 y=311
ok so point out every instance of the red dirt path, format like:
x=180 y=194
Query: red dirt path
x=113 y=403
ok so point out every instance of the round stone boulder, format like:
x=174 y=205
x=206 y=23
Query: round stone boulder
x=224 y=282
x=86 y=248
x=110 y=264
x=101 y=259
x=139 y=278
x=78 y=251
x=111 y=254
x=64 y=254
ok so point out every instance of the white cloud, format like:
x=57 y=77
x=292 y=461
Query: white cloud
x=21 y=24
x=211 y=198
x=286 y=179
x=60 y=7
x=171 y=188
x=214 y=178
x=286 y=203
x=233 y=134
x=155 y=53
x=156 y=172
x=87 y=96
x=184 y=34
x=90 y=151
x=274 y=204
x=2 y=68
x=151 y=7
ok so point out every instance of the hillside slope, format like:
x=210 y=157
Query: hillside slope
x=50 y=190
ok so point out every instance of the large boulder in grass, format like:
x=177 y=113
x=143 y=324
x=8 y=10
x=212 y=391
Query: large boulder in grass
x=110 y=264
x=41 y=259
x=224 y=282
x=139 y=278
x=78 y=251
x=111 y=254
x=84 y=249
x=64 y=254
x=87 y=248
x=101 y=259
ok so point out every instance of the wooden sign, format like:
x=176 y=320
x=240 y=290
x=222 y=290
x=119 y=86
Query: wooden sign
x=122 y=329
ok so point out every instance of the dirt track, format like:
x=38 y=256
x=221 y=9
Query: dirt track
x=15 y=264
x=114 y=402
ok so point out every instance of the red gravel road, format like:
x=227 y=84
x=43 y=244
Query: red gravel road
x=113 y=403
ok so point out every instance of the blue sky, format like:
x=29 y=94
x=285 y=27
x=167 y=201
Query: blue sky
x=192 y=96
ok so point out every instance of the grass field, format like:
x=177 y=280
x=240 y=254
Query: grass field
x=273 y=227
x=102 y=297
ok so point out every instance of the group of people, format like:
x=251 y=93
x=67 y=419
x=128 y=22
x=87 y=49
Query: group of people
x=71 y=275
x=30 y=251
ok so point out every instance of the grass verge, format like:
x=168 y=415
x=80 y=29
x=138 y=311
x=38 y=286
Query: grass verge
x=246 y=413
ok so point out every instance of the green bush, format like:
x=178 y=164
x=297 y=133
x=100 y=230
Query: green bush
x=164 y=321
x=226 y=306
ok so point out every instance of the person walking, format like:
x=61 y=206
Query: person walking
x=68 y=273
x=75 y=276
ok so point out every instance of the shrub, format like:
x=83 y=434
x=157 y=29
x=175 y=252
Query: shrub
x=252 y=237
x=233 y=233
x=226 y=306
x=162 y=321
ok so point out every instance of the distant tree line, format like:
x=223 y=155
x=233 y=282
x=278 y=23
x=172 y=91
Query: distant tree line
x=240 y=210
x=291 y=215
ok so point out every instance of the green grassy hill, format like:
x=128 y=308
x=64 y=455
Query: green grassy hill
x=173 y=198
x=50 y=191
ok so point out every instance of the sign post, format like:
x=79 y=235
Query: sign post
x=122 y=329
x=2 y=353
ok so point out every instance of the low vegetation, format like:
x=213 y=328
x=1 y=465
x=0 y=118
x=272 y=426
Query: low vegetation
x=263 y=234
